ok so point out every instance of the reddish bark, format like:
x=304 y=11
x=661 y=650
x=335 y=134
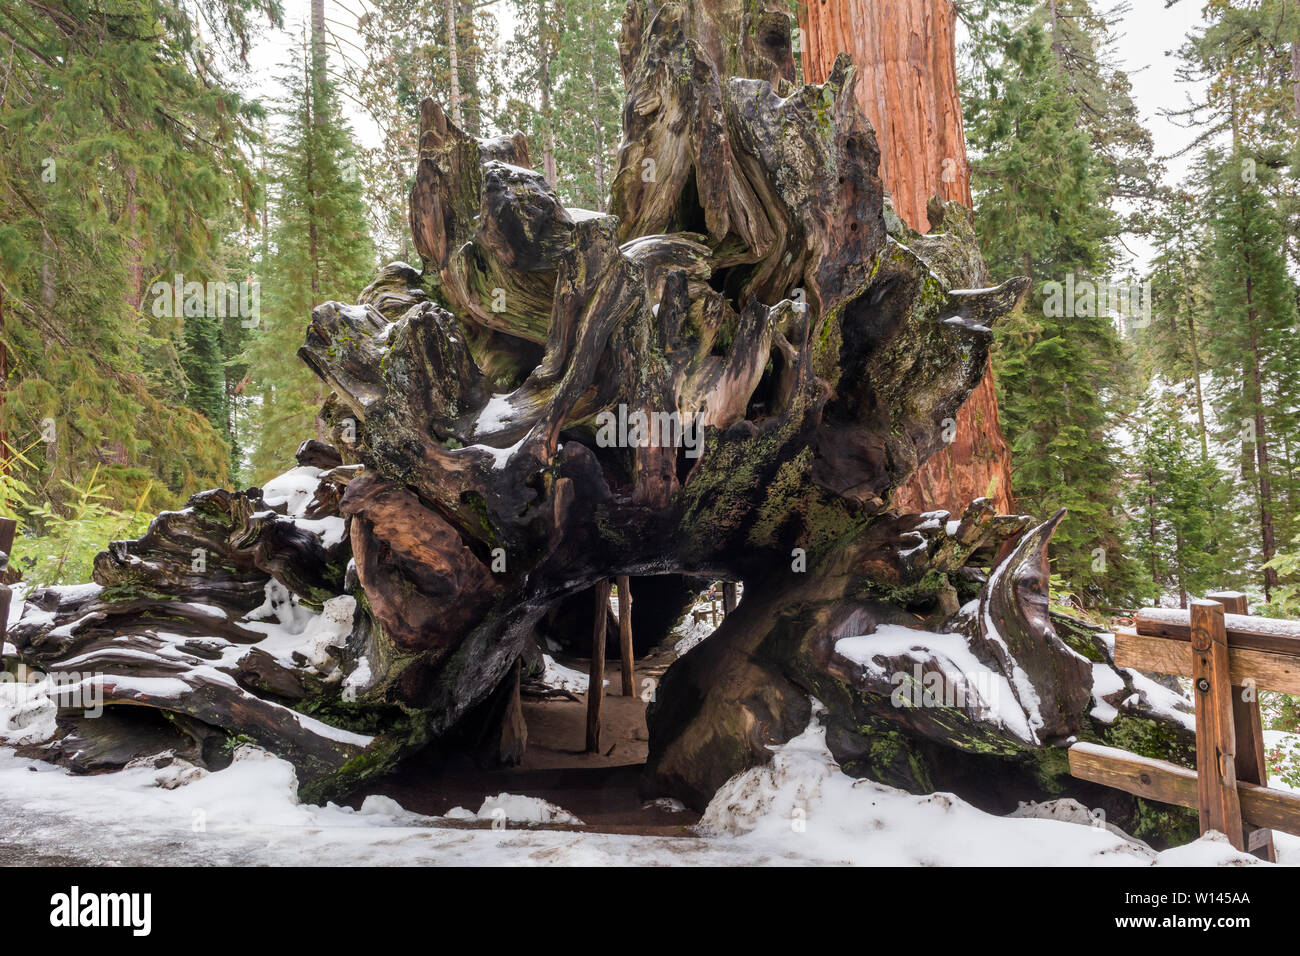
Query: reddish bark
x=907 y=86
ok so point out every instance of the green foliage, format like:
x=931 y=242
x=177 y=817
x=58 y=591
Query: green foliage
x=1255 y=349
x=1183 y=527
x=566 y=92
x=320 y=252
x=1286 y=599
x=70 y=537
x=1040 y=193
x=123 y=146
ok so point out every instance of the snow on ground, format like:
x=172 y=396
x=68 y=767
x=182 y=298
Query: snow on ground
x=513 y=808
x=800 y=809
x=26 y=712
x=294 y=489
x=558 y=677
x=690 y=632
x=982 y=686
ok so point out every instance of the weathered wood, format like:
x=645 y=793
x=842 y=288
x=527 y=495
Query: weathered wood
x=905 y=52
x=1023 y=638
x=1141 y=776
x=596 y=675
x=1219 y=805
x=1244 y=632
x=1169 y=783
x=1234 y=602
x=1251 y=759
x=1269 y=670
x=625 y=636
x=728 y=597
x=1251 y=756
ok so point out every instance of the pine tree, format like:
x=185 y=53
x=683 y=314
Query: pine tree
x=408 y=56
x=1247 y=61
x=567 y=92
x=1040 y=191
x=534 y=52
x=590 y=98
x=1255 y=347
x=1173 y=344
x=1083 y=38
x=1183 y=526
x=319 y=252
x=123 y=144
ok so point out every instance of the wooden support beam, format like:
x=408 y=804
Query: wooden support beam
x=1251 y=760
x=596 y=678
x=1169 y=783
x=625 y=635
x=728 y=597
x=1216 y=739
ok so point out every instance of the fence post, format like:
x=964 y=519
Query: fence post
x=1220 y=807
x=1251 y=760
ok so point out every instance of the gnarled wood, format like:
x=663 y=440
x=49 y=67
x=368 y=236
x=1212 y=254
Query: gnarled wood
x=797 y=350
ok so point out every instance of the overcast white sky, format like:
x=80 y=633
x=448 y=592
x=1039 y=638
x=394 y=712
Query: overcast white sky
x=1147 y=41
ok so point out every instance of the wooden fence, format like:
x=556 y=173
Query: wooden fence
x=1230 y=657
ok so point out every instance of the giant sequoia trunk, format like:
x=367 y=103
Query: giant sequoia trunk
x=747 y=286
x=905 y=52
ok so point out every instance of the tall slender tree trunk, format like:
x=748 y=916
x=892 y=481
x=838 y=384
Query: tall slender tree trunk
x=1196 y=365
x=598 y=160
x=469 y=58
x=1178 y=561
x=1295 y=71
x=1268 y=542
x=549 y=26
x=266 y=210
x=1253 y=384
x=1152 y=534
x=318 y=40
x=905 y=52
x=454 y=57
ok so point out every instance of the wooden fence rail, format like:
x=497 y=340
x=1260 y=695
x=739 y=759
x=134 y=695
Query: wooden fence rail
x=1230 y=657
